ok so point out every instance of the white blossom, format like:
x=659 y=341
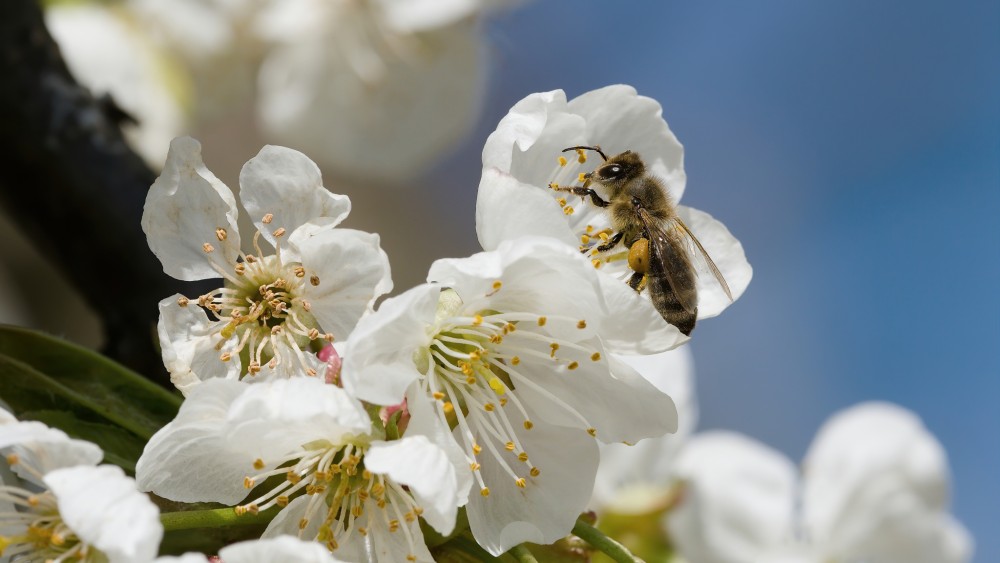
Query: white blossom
x=873 y=489
x=515 y=354
x=280 y=549
x=345 y=486
x=523 y=157
x=314 y=287
x=71 y=508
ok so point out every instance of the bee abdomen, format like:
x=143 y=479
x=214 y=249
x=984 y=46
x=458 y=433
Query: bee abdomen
x=666 y=303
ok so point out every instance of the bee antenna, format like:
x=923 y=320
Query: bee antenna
x=595 y=148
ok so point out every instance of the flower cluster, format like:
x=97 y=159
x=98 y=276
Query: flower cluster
x=497 y=401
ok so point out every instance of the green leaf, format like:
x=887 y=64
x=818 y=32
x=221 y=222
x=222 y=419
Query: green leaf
x=41 y=373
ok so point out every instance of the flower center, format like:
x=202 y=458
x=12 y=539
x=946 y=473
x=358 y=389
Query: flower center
x=341 y=492
x=479 y=363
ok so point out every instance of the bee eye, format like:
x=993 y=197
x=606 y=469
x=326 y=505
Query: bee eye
x=612 y=171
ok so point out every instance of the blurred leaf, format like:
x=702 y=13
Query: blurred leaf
x=41 y=373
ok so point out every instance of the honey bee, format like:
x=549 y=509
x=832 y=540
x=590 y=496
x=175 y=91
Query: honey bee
x=662 y=250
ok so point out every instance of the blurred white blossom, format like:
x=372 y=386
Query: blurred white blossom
x=316 y=284
x=523 y=157
x=873 y=489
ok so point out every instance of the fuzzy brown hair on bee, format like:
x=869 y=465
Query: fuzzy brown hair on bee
x=661 y=249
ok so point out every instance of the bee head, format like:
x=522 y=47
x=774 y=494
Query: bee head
x=618 y=171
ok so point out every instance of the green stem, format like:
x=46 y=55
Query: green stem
x=607 y=545
x=216 y=518
x=521 y=553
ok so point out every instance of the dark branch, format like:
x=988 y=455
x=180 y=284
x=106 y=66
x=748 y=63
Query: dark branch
x=70 y=182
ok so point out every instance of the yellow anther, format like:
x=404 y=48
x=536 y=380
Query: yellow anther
x=248 y=483
x=268 y=217
x=221 y=234
x=497 y=285
x=476 y=449
x=596 y=357
x=496 y=339
x=477 y=320
x=554 y=346
x=411 y=557
x=489 y=407
x=523 y=456
x=582 y=177
x=572 y=365
x=568 y=210
x=582 y=156
x=542 y=321
x=474 y=466
x=357 y=510
x=485 y=491
x=503 y=401
x=561 y=201
x=596 y=262
x=528 y=425
x=183 y=301
x=592 y=431
x=438 y=395
x=509 y=446
x=258 y=464
x=582 y=324
x=240 y=268
x=303 y=523
x=299 y=272
x=497 y=386
x=314 y=280
x=562 y=160
x=292 y=477
x=281 y=501
x=279 y=232
x=590 y=228
x=585 y=239
x=207 y=247
x=471 y=380
x=226 y=356
x=553 y=186
x=520 y=482
x=534 y=472
x=604 y=236
x=13 y=459
x=448 y=408
x=515 y=360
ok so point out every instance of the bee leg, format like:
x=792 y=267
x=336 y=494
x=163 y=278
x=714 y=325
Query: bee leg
x=611 y=243
x=637 y=281
x=584 y=192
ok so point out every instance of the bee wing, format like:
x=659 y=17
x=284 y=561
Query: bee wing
x=707 y=260
x=668 y=252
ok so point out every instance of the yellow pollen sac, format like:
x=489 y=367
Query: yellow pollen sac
x=303 y=523
x=411 y=557
x=248 y=483
x=357 y=510
x=314 y=280
x=572 y=365
x=489 y=407
x=596 y=263
x=221 y=234
x=417 y=510
x=592 y=431
x=581 y=325
x=496 y=339
x=281 y=501
x=183 y=301
x=568 y=210
x=226 y=356
x=240 y=269
x=279 y=232
x=477 y=320
x=542 y=321
x=503 y=401
x=12 y=459
x=299 y=272
x=515 y=360
x=57 y=540
x=476 y=449
x=268 y=217
x=604 y=237
x=207 y=248
x=595 y=357
x=471 y=380
x=590 y=228
x=496 y=287
x=497 y=386
x=553 y=186
x=535 y=472
x=561 y=201
x=438 y=395
x=520 y=482
x=582 y=156
x=582 y=177
x=585 y=239
x=474 y=466
x=523 y=456
x=292 y=477
x=554 y=347
x=252 y=509
x=528 y=425
x=258 y=464
x=485 y=491
x=448 y=407
x=562 y=161
x=509 y=446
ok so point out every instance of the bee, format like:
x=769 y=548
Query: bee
x=662 y=250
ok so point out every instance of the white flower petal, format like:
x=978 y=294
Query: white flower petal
x=283 y=182
x=277 y=550
x=188 y=347
x=507 y=209
x=352 y=270
x=547 y=508
x=391 y=546
x=424 y=422
x=726 y=252
x=43 y=449
x=632 y=325
x=102 y=506
x=408 y=16
x=378 y=358
x=737 y=502
x=425 y=468
x=630 y=475
x=184 y=208
x=619 y=119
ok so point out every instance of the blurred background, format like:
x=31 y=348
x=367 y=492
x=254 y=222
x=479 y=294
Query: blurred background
x=853 y=147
